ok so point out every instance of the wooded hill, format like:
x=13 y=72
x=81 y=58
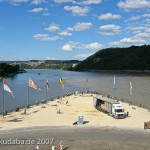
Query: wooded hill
x=8 y=70
x=131 y=58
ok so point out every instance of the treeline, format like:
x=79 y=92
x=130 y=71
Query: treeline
x=49 y=64
x=58 y=64
x=8 y=70
x=131 y=58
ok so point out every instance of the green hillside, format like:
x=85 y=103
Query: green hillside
x=132 y=58
x=49 y=64
x=7 y=70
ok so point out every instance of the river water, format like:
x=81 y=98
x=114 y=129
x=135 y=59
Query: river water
x=74 y=81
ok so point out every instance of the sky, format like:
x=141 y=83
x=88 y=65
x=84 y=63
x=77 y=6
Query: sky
x=70 y=29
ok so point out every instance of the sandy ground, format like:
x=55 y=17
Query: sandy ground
x=77 y=105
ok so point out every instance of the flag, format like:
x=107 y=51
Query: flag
x=47 y=85
x=114 y=85
x=33 y=84
x=6 y=88
x=130 y=88
x=62 y=82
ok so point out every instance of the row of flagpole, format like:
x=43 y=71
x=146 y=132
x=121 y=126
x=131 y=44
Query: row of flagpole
x=31 y=84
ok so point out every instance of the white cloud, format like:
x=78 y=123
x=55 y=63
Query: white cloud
x=63 y=1
x=146 y=15
x=37 y=2
x=109 y=29
x=89 y=2
x=82 y=56
x=46 y=14
x=134 y=28
x=53 y=28
x=67 y=47
x=108 y=16
x=19 y=1
x=77 y=11
x=134 y=18
x=65 y=33
x=57 y=29
x=143 y=35
x=134 y=4
x=70 y=46
x=36 y=10
x=147 y=30
x=77 y=45
x=81 y=26
x=70 y=29
x=84 y=2
x=128 y=41
x=16 y=2
x=46 y=37
x=107 y=33
x=93 y=46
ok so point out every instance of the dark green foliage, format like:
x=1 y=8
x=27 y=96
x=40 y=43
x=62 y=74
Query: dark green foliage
x=6 y=69
x=132 y=58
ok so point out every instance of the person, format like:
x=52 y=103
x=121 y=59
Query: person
x=25 y=111
x=145 y=125
x=61 y=101
x=53 y=147
x=127 y=114
x=37 y=147
x=60 y=146
x=57 y=110
x=66 y=103
x=43 y=106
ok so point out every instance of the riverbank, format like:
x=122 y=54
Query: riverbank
x=12 y=74
x=132 y=72
x=70 y=108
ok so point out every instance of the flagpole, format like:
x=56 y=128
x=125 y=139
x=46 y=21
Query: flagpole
x=32 y=84
x=28 y=96
x=46 y=90
x=62 y=84
x=114 y=82
x=46 y=87
x=6 y=88
x=130 y=99
x=86 y=81
x=130 y=93
x=3 y=102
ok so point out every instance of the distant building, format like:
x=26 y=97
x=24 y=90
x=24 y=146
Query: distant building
x=73 y=65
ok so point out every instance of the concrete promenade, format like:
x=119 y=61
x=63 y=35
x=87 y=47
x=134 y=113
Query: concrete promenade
x=78 y=138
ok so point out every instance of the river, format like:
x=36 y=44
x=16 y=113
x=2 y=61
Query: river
x=74 y=81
